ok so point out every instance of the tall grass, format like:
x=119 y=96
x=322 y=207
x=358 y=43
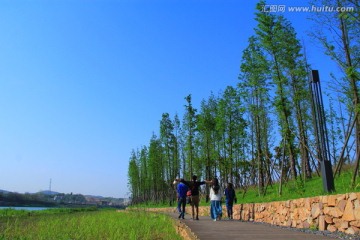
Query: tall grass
x=104 y=224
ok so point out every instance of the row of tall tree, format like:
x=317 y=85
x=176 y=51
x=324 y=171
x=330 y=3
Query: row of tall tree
x=261 y=130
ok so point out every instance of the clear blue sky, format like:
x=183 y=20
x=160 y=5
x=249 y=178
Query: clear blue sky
x=83 y=82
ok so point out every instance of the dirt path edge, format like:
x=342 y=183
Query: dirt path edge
x=184 y=231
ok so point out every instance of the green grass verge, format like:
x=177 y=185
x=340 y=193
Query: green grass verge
x=298 y=189
x=291 y=190
x=102 y=224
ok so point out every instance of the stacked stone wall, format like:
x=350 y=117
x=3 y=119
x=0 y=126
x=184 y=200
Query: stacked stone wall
x=334 y=213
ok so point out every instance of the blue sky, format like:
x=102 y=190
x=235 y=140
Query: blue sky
x=84 y=82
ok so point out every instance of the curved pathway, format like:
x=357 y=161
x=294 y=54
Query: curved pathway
x=207 y=229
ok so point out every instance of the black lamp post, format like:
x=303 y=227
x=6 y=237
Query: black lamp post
x=321 y=134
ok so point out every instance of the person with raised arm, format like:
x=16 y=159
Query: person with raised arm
x=194 y=186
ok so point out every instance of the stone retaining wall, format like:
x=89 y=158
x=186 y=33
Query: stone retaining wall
x=333 y=213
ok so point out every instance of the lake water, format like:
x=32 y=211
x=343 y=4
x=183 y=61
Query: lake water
x=26 y=208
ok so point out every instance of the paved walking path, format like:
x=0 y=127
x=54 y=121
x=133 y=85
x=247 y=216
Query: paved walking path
x=207 y=229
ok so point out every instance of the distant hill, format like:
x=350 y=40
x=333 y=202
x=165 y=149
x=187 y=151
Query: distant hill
x=92 y=196
x=51 y=198
x=53 y=193
x=47 y=192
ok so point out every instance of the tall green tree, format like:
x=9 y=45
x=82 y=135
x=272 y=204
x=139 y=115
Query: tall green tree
x=177 y=145
x=157 y=170
x=254 y=87
x=189 y=126
x=134 y=178
x=272 y=33
x=206 y=126
x=168 y=141
x=145 y=184
x=231 y=124
x=294 y=65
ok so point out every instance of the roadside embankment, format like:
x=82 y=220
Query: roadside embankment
x=332 y=213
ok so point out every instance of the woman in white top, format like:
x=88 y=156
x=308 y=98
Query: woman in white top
x=215 y=200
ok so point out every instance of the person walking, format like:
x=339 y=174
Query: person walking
x=194 y=186
x=215 y=200
x=230 y=197
x=181 y=191
x=178 y=207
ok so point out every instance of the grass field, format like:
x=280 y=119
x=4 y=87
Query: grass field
x=89 y=225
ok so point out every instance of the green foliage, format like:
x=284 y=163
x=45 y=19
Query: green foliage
x=105 y=224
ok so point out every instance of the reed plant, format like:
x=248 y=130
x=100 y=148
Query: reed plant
x=102 y=224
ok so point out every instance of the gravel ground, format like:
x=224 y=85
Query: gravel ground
x=337 y=235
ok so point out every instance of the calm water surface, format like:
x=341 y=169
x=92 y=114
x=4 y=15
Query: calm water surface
x=26 y=208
